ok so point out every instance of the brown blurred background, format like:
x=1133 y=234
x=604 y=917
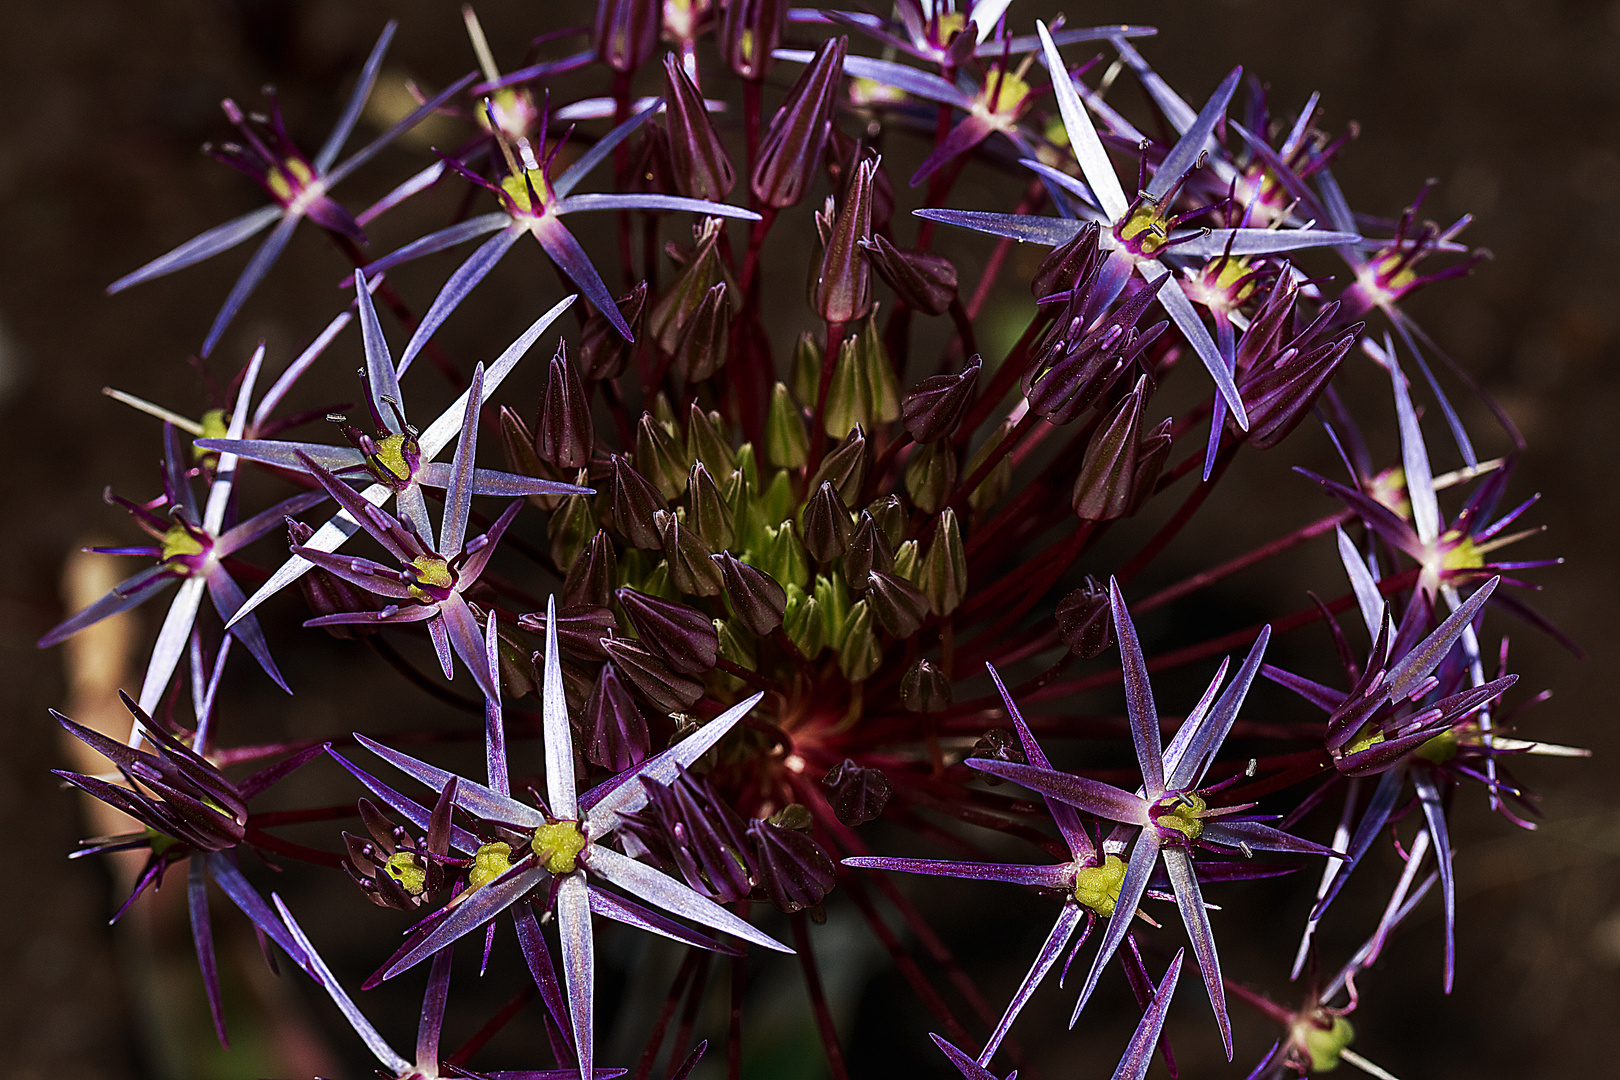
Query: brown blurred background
x=1514 y=104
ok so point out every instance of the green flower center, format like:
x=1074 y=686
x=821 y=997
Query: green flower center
x=1097 y=887
x=404 y=868
x=1325 y=1045
x=1145 y=229
x=518 y=192
x=1460 y=552
x=389 y=460
x=489 y=863
x=289 y=179
x=1440 y=749
x=433 y=576
x=559 y=844
x=1184 y=814
x=179 y=542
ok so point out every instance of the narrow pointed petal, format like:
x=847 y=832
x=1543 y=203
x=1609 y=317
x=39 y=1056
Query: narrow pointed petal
x=252 y=274
x=579 y=962
x=1261 y=837
x=1092 y=796
x=284 y=455
x=1372 y=822
x=1083 y=140
x=228 y=876
x=410 y=120
x=1068 y=918
x=409 y=808
x=474 y=798
x=1182 y=313
x=438 y=241
x=458 y=495
x=1025 y=228
x=202 y=939
x=1063 y=815
x=599 y=152
x=455 y=290
x=219 y=238
x=357 y=101
x=433 y=1002
x=577 y=204
x=1189 y=770
x=1415 y=457
x=617 y=908
x=500 y=780
x=1143 y=858
x=559 y=736
x=484 y=904
x=623 y=794
x=227 y=597
x=171 y=642
x=1410 y=670
x=1044 y=877
x=133 y=590
x=665 y=892
x=1195 y=140
x=316 y=968
x=1196 y=917
x=1434 y=813
x=461 y=627
x=571 y=259
x=1368 y=598
x=965 y=1065
x=1139 y=1053
x=381 y=377
x=1144 y=714
x=1260 y=241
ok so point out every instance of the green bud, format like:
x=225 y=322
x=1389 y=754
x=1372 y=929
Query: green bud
x=736 y=644
x=706 y=510
x=993 y=486
x=845 y=468
x=805 y=374
x=782 y=556
x=890 y=516
x=787 y=443
x=1325 y=1046
x=860 y=654
x=882 y=389
x=925 y=689
x=802 y=622
x=863 y=390
x=569 y=530
x=908 y=562
x=931 y=476
x=689 y=558
x=518 y=443
x=660 y=457
x=944 y=571
x=833 y=596
x=706 y=443
x=778 y=501
x=700 y=271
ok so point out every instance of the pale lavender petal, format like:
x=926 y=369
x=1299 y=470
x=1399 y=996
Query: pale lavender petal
x=572 y=260
x=1259 y=241
x=663 y=891
x=1175 y=108
x=486 y=902
x=219 y=238
x=1434 y=812
x=1026 y=42
x=467 y=275
x=357 y=101
x=465 y=638
x=416 y=116
x=458 y=493
x=964 y=1064
x=537 y=956
x=176 y=485
x=437 y=474
x=579 y=962
x=1139 y=1053
x=1060 y=178
x=379 y=523
x=296 y=369
x=433 y=1001
x=133 y=590
x=317 y=970
x=219 y=492
x=202 y=939
x=1057 y=876
x=1182 y=313
x=171 y=642
x=1362 y=583
x=1195 y=139
x=967 y=134
x=1337 y=207
x=252 y=274
x=604 y=146
x=631 y=913
x=411 y=505
x=624 y=794
x=500 y=780
x=417 y=183
x=1261 y=837
x=413 y=613
x=1414 y=455
x=1341 y=841
x=923 y=84
x=579 y=204
x=1083 y=141
x=1143 y=713
x=381 y=378
x=1094 y=797
x=205 y=709
x=1177 y=749
x=536 y=71
x=228 y=876
x=1025 y=228
x=283 y=454
x=1143 y=858
x=1190 y=900
x=1068 y=918
x=1410 y=670
x=1212 y=731
x=559 y=735
x=1063 y=815
x=474 y=798
x=438 y=241
x=240 y=536
x=227 y=598
x=413 y=811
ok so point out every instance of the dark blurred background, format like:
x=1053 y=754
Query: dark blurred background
x=1513 y=104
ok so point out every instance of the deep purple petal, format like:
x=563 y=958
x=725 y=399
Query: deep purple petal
x=1139 y=1053
x=474 y=798
x=1190 y=899
x=1092 y=796
x=1143 y=858
x=1068 y=918
x=1143 y=713
x=202 y=938
x=1064 y=815
x=484 y=904
x=631 y=913
x=1056 y=876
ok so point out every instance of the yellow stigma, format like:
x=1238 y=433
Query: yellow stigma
x=1185 y=816
x=1232 y=272
x=559 y=844
x=489 y=863
x=177 y=542
x=390 y=455
x=518 y=191
x=1366 y=739
x=215 y=425
x=1398 y=280
x=1097 y=887
x=403 y=867
x=1460 y=552
x=285 y=180
x=1325 y=1045
x=1145 y=227
x=1010 y=93
x=432 y=572
x=947 y=24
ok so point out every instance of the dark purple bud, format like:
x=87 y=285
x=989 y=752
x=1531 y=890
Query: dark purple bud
x=754 y=595
x=1280 y=388
x=635 y=501
x=1151 y=453
x=1072 y=264
x=590 y=580
x=999 y=744
x=845 y=468
x=684 y=638
x=603 y=351
x=701 y=270
x=842 y=288
x=625 y=32
x=701 y=169
x=689 y=558
x=651 y=677
x=517 y=441
x=868 y=550
x=706 y=511
x=566 y=434
x=702 y=835
x=579 y=630
x=791 y=149
x=1076 y=368
x=920 y=279
x=897 y=604
x=1106 y=484
x=749 y=31
x=890 y=515
x=932 y=409
x=705 y=442
x=925 y=689
x=844 y=155
x=1083 y=620
x=795 y=871
x=701 y=350
x=617 y=731
x=661 y=457
x=857 y=794
x=827 y=525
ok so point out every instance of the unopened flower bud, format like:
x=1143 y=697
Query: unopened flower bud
x=681 y=636
x=625 y=32
x=1084 y=623
x=603 y=351
x=782 y=556
x=944 y=570
x=651 y=677
x=804 y=375
x=802 y=622
x=845 y=468
x=569 y=530
x=787 y=443
x=863 y=390
x=841 y=289
x=868 y=550
x=795 y=871
x=1106 y=484
x=591 y=577
x=1073 y=263
x=736 y=644
x=898 y=605
x=857 y=794
x=566 y=434
x=925 y=689
x=706 y=510
x=661 y=458
x=617 y=730
x=934 y=407
x=634 y=503
x=931 y=476
x=827 y=525
x=701 y=350
x=700 y=271
x=791 y=149
x=758 y=601
x=700 y=166
x=921 y=279
x=749 y=31
x=706 y=443
x=691 y=569
x=859 y=654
